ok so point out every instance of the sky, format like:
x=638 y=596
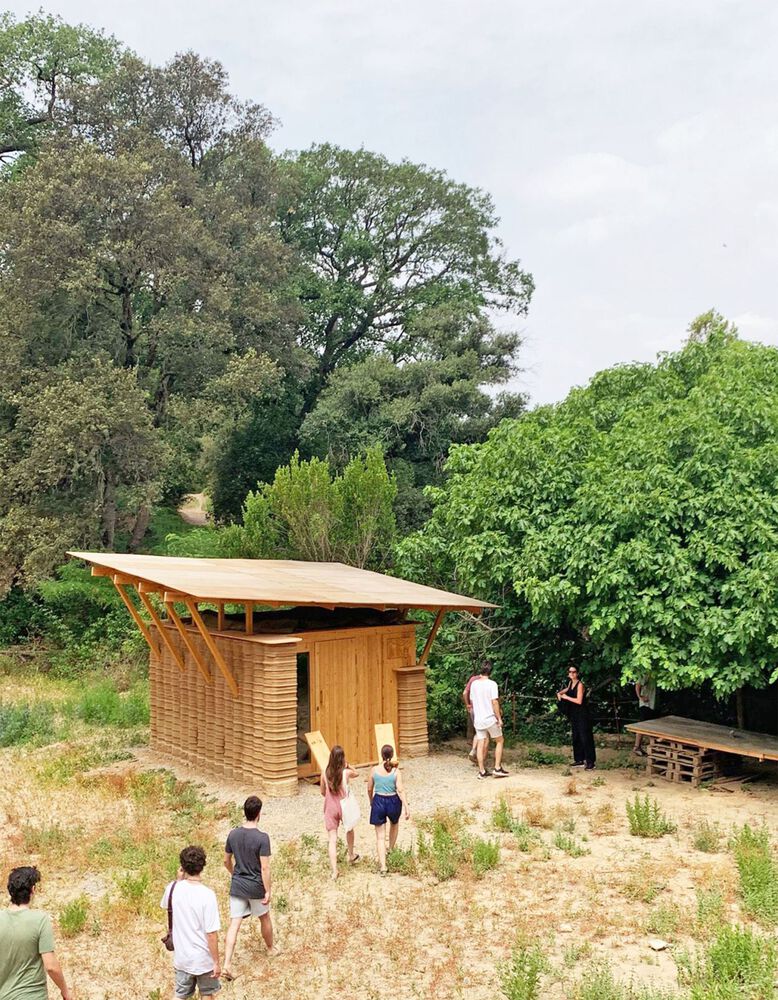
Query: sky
x=631 y=148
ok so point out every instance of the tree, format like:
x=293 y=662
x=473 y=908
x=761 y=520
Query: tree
x=386 y=246
x=40 y=58
x=635 y=523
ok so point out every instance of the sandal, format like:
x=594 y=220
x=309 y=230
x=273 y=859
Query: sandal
x=229 y=977
x=353 y=861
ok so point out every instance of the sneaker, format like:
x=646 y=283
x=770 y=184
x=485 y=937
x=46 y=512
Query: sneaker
x=577 y=763
x=499 y=772
x=482 y=774
x=589 y=767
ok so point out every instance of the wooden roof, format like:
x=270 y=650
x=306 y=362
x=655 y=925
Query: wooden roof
x=278 y=582
x=709 y=736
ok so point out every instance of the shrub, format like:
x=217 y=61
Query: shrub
x=72 y=917
x=567 y=842
x=24 y=723
x=502 y=817
x=758 y=873
x=485 y=856
x=646 y=818
x=134 y=890
x=101 y=704
x=663 y=920
x=400 y=861
x=544 y=758
x=598 y=983
x=706 y=836
x=710 y=909
x=520 y=975
x=526 y=837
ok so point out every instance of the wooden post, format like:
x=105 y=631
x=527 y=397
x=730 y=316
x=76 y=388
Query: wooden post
x=213 y=649
x=249 y=609
x=136 y=615
x=431 y=637
x=201 y=665
x=220 y=617
x=163 y=631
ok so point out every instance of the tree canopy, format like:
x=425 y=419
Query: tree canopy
x=634 y=525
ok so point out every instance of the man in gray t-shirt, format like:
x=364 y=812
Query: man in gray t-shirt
x=247 y=859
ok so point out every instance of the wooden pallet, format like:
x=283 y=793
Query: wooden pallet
x=677 y=761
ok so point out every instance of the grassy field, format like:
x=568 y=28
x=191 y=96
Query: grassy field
x=544 y=885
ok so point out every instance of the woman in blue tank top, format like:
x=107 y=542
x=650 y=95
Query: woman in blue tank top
x=387 y=802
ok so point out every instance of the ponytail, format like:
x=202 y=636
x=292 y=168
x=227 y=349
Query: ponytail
x=387 y=752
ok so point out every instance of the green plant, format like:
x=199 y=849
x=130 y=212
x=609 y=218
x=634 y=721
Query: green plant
x=646 y=818
x=710 y=909
x=502 y=817
x=25 y=723
x=485 y=856
x=567 y=842
x=706 y=836
x=281 y=903
x=101 y=704
x=134 y=890
x=573 y=953
x=526 y=837
x=758 y=873
x=663 y=920
x=401 y=861
x=739 y=964
x=538 y=757
x=520 y=975
x=72 y=917
x=597 y=983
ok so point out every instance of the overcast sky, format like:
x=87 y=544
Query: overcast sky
x=631 y=147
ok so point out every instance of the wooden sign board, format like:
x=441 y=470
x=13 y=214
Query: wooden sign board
x=384 y=733
x=319 y=750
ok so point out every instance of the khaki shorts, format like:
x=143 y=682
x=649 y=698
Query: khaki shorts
x=494 y=731
x=187 y=983
x=247 y=908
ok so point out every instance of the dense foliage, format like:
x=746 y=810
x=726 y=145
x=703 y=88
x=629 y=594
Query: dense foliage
x=633 y=526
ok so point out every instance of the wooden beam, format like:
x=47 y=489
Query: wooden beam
x=213 y=649
x=201 y=664
x=148 y=588
x=164 y=632
x=174 y=596
x=101 y=571
x=249 y=617
x=136 y=617
x=431 y=637
x=220 y=616
x=123 y=578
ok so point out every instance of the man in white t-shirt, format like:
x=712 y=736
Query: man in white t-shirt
x=195 y=928
x=487 y=720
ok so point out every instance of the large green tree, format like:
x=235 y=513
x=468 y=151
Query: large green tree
x=634 y=525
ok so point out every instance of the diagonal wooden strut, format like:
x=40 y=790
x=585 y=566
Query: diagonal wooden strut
x=135 y=614
x=164 y=632
x=431 y=636
x=201 y=664
x=213 y=649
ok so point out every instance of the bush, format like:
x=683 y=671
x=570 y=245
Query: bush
x=706 y=836
x=401 y=862
x=598 y=983
x=566 y=842
x=502 y=817
x=520 y=975
x=134 y=890
x=710 y=909
x=758 y=873
x=740 y=964
x=24 y=723
x=485 y=856
x=646 y=818
x=72 y=917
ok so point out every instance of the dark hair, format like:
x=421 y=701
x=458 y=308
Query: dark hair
x=334 y=772
x=21 y=882
x=387 y=752
x=486 y=668
x=192 y=859
x=252 y=807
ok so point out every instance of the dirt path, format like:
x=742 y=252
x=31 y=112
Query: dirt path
x=193 y=510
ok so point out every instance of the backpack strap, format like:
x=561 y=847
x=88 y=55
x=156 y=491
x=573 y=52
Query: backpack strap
x=170 y=909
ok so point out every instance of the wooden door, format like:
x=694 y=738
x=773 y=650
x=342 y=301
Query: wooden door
x=348 y=695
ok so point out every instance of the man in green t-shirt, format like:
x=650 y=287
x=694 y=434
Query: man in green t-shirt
x=27 y=944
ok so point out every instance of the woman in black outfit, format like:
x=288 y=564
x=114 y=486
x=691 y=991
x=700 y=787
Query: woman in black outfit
x=574 y=695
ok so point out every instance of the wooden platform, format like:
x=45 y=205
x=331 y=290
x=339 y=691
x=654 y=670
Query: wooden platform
x=686 y=750
x=710 y=737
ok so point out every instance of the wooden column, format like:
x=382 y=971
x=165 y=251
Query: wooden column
x=412 y=710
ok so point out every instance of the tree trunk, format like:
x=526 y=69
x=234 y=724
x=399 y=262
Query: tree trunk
x=740 y=709
x=140 y=527
x=126 y=324
x=108 y=520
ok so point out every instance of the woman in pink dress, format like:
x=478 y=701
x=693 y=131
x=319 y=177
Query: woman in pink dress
x=334 y=787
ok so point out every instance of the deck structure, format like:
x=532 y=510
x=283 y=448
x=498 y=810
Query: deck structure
x=688 y=750
x=248 y=655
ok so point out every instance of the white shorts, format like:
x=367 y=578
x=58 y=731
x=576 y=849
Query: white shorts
x=495 y=731
x=247 y=908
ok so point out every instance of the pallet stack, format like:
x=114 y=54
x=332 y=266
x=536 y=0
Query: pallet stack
x=676 y=761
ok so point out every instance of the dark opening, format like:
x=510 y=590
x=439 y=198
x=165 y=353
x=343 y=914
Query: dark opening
x=303 y=707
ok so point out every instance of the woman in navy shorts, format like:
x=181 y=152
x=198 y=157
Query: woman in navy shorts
x=387 y=802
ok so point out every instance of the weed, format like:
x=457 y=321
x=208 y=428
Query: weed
x=502 y=817
x=537 y=815
x=526 y=837
x=520 y=975
x=281 y=903
x=102 y=705
x=642 y=888
x=646 y=818
x=571 y=788
x=567 y=842
x=663 y=920
x=597 y=983
x=598 y=782
x=573 y=953
x=758 y=873
x=710 y=909
x=739 y=964
x=72 y=918
x=401 y=861
x=706 y=836
x=544 y=758
x=134 y=890
x=26 y=724
x=485 y=856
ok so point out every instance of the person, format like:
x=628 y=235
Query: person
x=387 y=802
x=195 y=927
x=574 y=695
x=333 y=785
x=247 y=859
x=645 y=689
x=487 y=719
x=473 y=755
x=27 y=943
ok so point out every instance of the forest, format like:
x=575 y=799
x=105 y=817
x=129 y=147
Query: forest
x=321 y=342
